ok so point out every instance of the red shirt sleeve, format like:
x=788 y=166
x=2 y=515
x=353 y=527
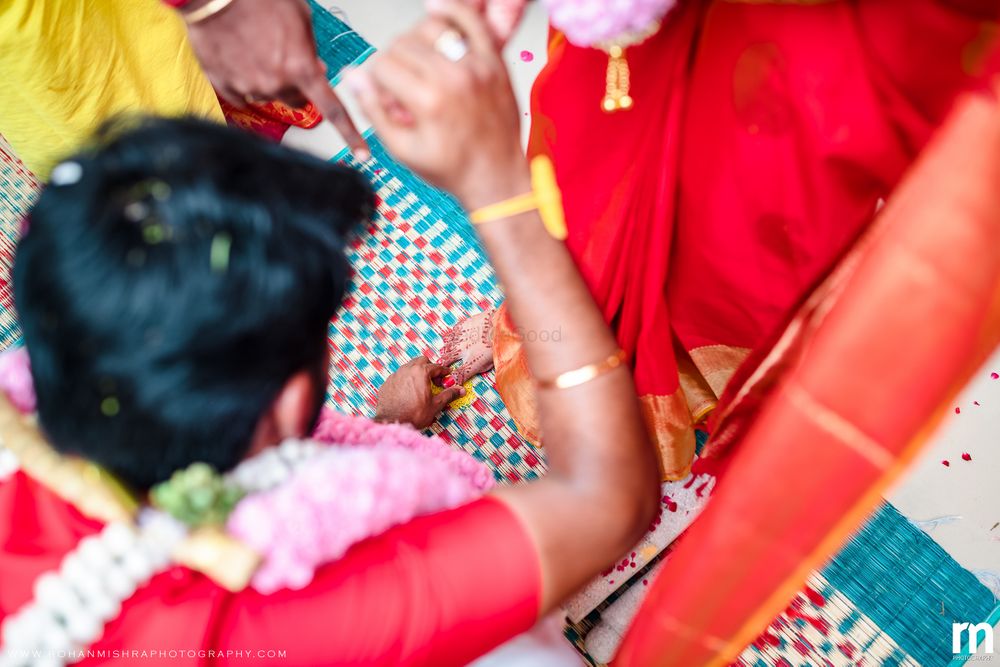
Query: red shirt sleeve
x=439 y=590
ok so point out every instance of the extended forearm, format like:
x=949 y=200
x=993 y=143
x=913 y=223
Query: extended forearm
x=561 y=329
x=601 y=466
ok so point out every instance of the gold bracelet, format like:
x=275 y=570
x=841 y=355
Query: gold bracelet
x=207 y=10
x=544 y=197
x=584 y=374
x=507 y=208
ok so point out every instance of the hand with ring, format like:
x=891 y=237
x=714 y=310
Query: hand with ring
x=462 y=126
x=451 y=45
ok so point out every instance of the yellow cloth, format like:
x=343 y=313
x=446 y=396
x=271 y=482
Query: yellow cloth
x=68 y=65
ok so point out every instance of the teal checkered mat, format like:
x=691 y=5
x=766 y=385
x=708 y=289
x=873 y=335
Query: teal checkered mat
x=18 y=190
x=419 y=269
x=889 y=598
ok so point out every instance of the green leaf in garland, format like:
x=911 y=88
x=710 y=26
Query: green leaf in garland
x=197 y=496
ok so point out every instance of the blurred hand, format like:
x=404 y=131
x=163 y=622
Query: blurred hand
x=262 y=50
x=461 y=129
x=406 y=395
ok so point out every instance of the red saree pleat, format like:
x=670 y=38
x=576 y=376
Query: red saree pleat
x=824 y=422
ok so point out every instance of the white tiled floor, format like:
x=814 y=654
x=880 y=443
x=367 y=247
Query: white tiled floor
x=965 y=493
x=964 y=496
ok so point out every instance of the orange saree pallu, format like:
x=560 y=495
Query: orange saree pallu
x=818 y=427
x=762 y=137
x=270 y=119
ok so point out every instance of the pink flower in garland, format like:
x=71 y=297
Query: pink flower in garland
x=15 y=379
x=371 y=478
x=340 y=429
x=595 y=22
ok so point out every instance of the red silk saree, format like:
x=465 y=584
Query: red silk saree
x=762 y=138
x=841 y=403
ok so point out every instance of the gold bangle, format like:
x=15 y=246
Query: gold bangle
x=207 y=10
x=584 y=374
x=544 y=197
x=507 y=208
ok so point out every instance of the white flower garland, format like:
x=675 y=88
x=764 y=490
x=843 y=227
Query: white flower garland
x=274 y=466
x=71 y=606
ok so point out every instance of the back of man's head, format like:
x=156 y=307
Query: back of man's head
x=171 y=281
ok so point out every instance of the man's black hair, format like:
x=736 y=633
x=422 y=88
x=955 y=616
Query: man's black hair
x=171 y=280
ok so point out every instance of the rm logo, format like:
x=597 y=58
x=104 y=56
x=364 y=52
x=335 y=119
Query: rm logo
x=973 y=632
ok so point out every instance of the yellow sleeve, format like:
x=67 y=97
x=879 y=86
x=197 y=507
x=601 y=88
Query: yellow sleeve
x=69 y=66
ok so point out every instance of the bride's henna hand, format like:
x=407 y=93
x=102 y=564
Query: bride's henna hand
x=471 y=343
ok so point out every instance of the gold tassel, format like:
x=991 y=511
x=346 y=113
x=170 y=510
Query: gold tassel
x=616 y=96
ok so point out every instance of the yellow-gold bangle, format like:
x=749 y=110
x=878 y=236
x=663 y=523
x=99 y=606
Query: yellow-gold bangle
x=207 y=10
x=544 y=197
x=584 y=374
x=507 y=208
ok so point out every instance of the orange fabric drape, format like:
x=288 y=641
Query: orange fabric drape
x=819 y=426
x=270 y=119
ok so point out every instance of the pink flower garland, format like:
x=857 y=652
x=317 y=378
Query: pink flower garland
x=595 y=22
x=376 y=477
x=15 y=379
x=339 y=429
